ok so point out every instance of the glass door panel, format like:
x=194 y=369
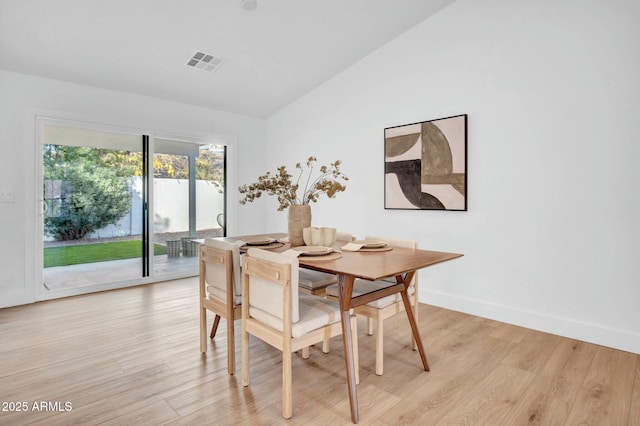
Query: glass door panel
x=92 y=197
x=188 y=198
x=210 y=191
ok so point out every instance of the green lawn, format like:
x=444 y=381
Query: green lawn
x=89 y=253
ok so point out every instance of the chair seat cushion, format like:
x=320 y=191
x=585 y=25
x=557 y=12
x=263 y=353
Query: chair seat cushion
x=314 y=280
x=361 y=287
x=315 y=312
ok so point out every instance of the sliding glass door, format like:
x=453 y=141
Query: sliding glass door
x=106 y=224
x=92 y=215
x=188 y=199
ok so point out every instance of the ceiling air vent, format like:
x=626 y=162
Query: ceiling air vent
x=204 y=61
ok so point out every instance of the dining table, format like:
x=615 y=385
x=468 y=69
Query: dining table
x=373 y=265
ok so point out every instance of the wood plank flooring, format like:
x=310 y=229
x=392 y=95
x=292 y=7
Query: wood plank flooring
x=131 y=356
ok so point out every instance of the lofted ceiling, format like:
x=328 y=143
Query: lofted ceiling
x=269 y=56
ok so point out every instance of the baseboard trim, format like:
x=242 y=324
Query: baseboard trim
x=562 y=326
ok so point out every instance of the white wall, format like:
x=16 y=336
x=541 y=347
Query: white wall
x=553 y=97
x=24 y=97
x=172 y=204
x=171 y=208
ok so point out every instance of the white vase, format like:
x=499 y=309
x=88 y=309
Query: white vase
x=319 y=236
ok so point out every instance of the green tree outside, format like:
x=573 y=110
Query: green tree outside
x=92 y=184
x=92 y=189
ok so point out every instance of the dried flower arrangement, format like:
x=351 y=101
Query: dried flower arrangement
x=282 y=186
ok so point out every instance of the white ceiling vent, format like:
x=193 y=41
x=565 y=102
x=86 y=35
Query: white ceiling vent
x=204 y=61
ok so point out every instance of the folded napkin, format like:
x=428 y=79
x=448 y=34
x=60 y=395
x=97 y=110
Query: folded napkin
x=291 y=253
x=296 y=253
x=352 y=247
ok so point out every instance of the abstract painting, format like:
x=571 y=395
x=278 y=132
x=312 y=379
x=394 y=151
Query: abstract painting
x=426 y=165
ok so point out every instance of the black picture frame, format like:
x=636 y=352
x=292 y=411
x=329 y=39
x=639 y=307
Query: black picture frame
x=425 y=165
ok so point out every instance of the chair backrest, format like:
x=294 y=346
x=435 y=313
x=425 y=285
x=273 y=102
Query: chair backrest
x=396 y=242
x=344 y=236
x=267 y=292
x=216 y=272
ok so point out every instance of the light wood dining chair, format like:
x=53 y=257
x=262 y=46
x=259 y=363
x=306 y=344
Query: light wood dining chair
x=275 y=312
x=381 y=309
x=344 y=237
x=220 y=292
x=316 y=283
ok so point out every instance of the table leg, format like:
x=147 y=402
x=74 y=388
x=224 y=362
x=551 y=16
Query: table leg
x=412 y=320
x=345 y=288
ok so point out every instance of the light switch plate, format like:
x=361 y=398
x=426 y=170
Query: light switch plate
x=6 y=197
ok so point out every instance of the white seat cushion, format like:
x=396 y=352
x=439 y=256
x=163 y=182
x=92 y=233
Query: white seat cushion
x=213 y=292
x=315 y=312
x=363 y=286
x=216 y=275
x=266 y=295
x=314 y=280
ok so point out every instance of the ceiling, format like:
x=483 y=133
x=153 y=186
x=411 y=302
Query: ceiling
x=270 y=56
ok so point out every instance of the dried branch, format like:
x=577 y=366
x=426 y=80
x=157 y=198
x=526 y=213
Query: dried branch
x=286 y=191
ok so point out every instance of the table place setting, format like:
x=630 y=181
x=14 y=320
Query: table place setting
x=314 y=253
x=367 y=246
x=262 y=242
x=313 y=250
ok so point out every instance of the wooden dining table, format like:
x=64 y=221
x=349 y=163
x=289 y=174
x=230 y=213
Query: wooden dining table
x=401 y=263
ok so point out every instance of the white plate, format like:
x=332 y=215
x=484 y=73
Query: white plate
x=314 y=250
x=371 y=243
x=259 y=241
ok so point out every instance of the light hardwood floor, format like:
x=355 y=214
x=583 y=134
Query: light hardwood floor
x=132 y=356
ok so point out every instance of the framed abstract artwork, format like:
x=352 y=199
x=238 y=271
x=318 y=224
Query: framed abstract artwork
x=425 y=165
